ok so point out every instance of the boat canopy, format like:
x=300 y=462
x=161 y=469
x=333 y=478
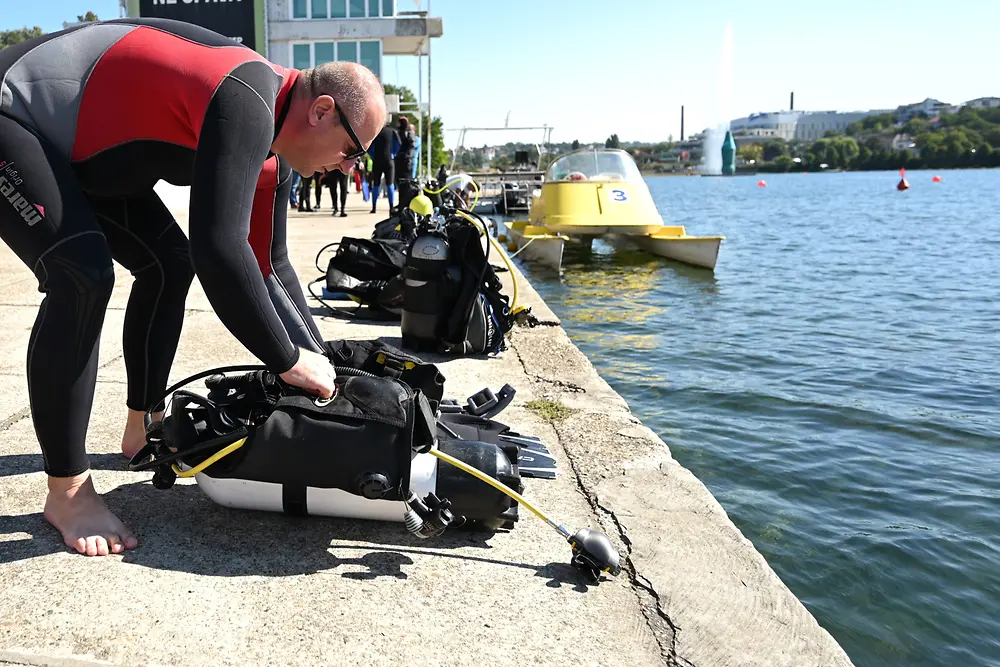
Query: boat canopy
x=594 y=165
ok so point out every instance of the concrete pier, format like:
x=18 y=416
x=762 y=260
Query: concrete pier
x=213 y=586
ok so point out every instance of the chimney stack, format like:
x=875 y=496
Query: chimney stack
x=682 y=122
x=791 y=105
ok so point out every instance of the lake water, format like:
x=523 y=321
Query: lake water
x=835 y=384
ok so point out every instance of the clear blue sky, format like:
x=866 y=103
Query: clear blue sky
x=593 y=67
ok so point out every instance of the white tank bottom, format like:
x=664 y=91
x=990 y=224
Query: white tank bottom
x=266 y=496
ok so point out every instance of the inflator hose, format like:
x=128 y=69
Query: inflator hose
x=450 y=180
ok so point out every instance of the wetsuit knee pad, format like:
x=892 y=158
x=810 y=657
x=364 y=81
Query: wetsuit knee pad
x=81 y=264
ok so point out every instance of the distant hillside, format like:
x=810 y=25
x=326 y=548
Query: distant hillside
x=968 y=138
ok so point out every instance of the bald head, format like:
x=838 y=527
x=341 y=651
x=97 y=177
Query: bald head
x=313 y=137
x=354 y=87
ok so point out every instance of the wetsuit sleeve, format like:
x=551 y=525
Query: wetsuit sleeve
x=235 y=141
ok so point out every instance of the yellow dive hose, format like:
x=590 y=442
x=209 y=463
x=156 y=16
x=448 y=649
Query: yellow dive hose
x=452 y=179
x=225 y=451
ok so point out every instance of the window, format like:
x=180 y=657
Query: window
x=371 y=56
x=310 y=54
x=324 y=52
x=342 y=9
x=301 y=58
x=347 y=52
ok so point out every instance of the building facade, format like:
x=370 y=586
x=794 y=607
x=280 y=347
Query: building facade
x=794 y=125
x=306 y=33
x=767 y=125
x=815 y=125
x=928 y=108
x=983 y=103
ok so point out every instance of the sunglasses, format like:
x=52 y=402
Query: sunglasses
x=357 y=150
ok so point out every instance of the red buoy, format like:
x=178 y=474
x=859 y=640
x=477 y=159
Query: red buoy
x=902 y=185
x=936 y=179
x=762 y=183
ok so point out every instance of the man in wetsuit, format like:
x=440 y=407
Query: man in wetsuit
x=382 y=150
x=90 y=119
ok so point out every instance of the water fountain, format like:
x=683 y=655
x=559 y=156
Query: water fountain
x=718 y=135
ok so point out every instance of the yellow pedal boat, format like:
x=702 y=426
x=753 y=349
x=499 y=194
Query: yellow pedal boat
x=593 y=193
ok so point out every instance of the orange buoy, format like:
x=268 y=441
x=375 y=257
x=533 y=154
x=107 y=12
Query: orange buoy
x=902 y=185
x=936 y=179
x=762 y=183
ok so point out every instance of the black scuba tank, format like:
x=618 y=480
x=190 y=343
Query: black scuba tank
x=431 y=282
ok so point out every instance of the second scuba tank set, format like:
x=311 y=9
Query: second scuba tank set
x=431 y=281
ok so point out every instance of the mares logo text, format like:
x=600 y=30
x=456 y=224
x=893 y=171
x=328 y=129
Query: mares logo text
x=9 y=180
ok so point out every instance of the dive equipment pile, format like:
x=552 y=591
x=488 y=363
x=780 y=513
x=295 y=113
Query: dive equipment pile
x=386 y=446
x=426 y=267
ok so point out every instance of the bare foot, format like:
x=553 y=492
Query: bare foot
x=86 y=523
x=135 y=432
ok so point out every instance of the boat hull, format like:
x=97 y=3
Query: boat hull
x=536 y=245
x=700 y=251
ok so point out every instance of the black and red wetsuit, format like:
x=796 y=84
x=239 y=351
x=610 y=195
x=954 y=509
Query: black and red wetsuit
x=90 y=119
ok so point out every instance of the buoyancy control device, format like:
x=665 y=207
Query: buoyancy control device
x=453 y=301
x=427 y=267
x=376 y=449
x=254 y=442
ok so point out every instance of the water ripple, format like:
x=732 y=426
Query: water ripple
x=835 y=383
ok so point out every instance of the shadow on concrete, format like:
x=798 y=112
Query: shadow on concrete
x=354 y=314
x=558 y=574
x=180 y=529
x=24 y=464
x=429 y=357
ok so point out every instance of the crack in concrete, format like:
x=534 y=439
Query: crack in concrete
x=575 y=388
x=652 y=609
x=15 y=418
x=650 y=602
x=110 y=361
x=641 y=582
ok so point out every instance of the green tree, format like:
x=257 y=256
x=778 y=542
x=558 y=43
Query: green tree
x=12 y=37
x=774 y=149
x=439 y=155
x=915 y=126
x=784 y=163
x=612 y=142
x=849 y=151
x=89 y=17
x=871 y=124
x=749 y=152
x=576 y=145
x=864 y=157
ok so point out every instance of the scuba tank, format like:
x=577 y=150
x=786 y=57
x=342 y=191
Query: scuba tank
x=431 y=282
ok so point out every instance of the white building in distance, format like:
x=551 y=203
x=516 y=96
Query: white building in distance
x=801 y=125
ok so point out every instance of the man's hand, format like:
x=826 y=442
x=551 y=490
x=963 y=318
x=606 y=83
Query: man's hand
x=312 y=372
